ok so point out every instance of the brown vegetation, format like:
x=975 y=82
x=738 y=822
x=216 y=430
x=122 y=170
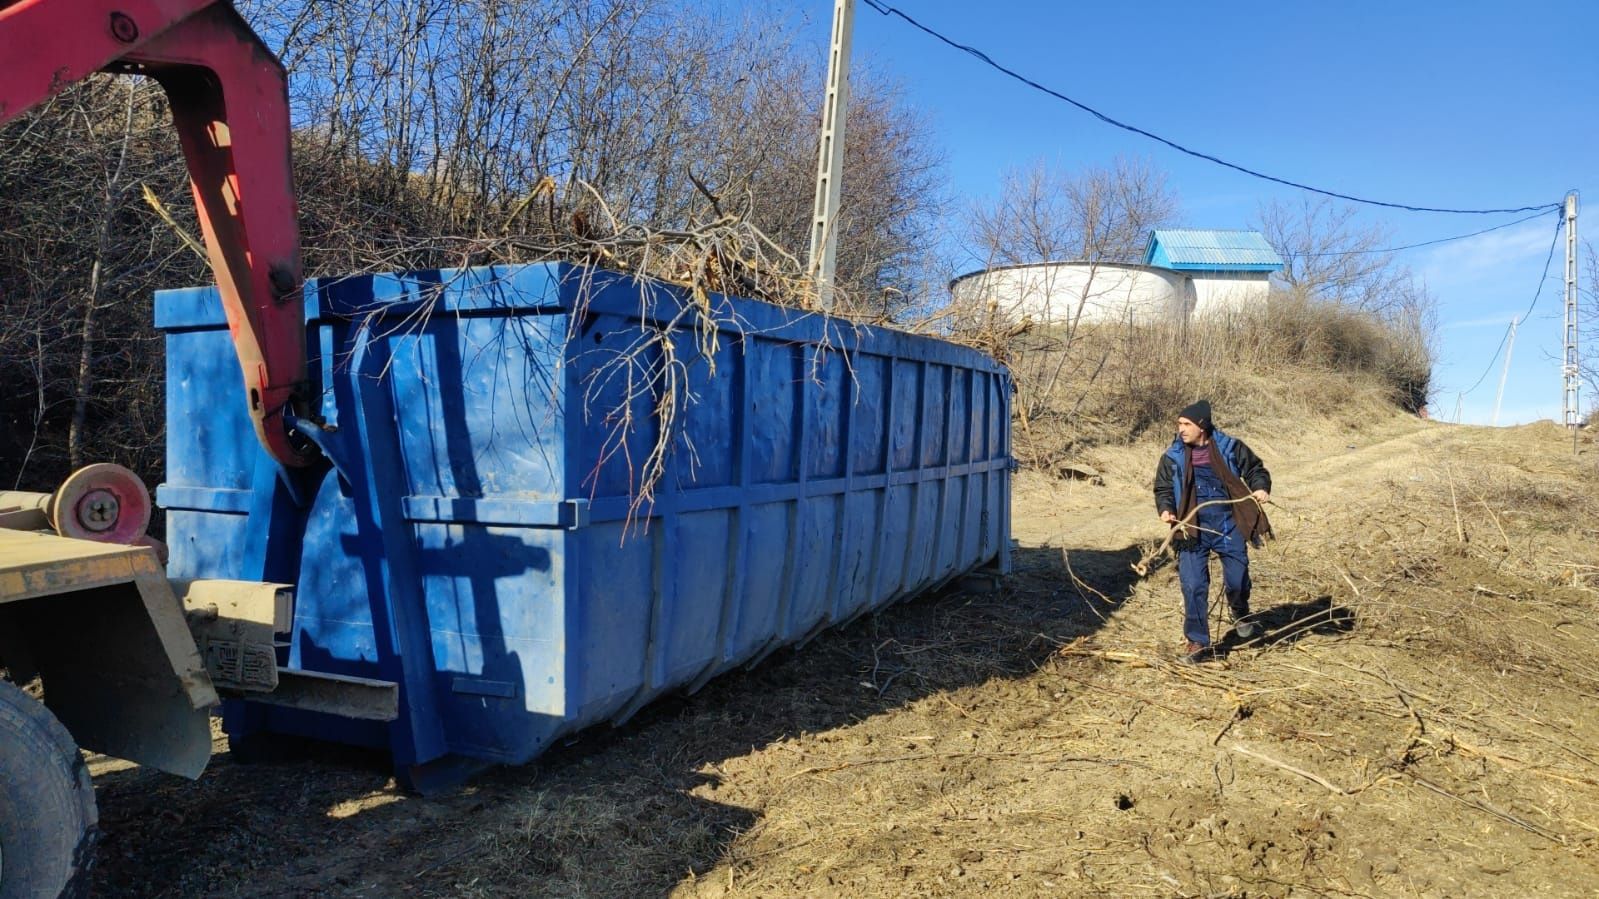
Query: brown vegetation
x=666 y=140
x=1344 y=320
x=1294 y=357
x=1415 y=722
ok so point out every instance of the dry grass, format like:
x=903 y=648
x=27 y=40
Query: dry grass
x=1417 y=721
x=1094 y=384
x=1413 y=722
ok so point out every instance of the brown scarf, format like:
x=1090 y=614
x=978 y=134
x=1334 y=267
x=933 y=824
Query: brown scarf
x=1250 y=516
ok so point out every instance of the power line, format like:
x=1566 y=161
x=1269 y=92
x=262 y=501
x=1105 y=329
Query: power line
x=1559 y=223
x=987 y=60
x=1491 y=360
x=1427 y=243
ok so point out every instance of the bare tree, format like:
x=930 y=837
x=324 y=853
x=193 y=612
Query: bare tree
x=1329 y=255
x=507 y=117
x=1097 y=214
x=79 y=258
x=433 y=133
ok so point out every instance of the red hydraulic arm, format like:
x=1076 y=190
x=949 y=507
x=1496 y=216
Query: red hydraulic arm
x=229 y=98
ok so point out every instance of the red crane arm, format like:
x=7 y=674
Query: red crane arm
x=229 y=98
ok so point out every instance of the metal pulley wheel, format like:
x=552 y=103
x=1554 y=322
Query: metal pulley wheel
x=103 y=502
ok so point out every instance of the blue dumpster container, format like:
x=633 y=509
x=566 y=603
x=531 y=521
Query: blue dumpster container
x=477 y=537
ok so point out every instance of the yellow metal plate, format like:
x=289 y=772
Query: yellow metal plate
x=41 y=564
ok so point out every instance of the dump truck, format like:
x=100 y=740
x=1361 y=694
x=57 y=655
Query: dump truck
x=417 y=526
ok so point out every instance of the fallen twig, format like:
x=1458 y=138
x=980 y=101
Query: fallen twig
x=1130 y=659
x=1485 y=807
x=1454 y=503
x=1314 y=778
x=1237 y=715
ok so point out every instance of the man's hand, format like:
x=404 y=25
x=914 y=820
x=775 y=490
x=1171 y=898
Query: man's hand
x=1261 y=497
x=1168 y=517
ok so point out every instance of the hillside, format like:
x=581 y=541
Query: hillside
x=1416 y=722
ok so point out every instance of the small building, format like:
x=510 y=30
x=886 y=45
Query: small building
x=1229 y=270
x=1185 y=273
x=1071 y=292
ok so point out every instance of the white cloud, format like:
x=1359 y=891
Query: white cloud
x=1488 y=252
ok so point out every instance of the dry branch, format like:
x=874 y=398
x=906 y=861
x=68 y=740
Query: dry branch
x=1141 y=567
x=1485 y=807
x=1314 y=778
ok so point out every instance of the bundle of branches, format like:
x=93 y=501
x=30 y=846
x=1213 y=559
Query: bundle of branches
x=719 y=251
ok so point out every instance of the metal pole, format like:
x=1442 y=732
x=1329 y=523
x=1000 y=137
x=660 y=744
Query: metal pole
x=830 y=166
x=1510 y=347
x=1573 y=409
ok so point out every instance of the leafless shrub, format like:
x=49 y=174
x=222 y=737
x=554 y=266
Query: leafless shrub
x=670 y=141
x=1292 y=355
x=80 y=254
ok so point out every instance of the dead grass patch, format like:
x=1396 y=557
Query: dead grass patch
x=1417 y=721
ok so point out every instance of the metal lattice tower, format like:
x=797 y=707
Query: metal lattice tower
x=830 y=167
x=1573 y=410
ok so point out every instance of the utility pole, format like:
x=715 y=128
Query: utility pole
x=830 y=168
x=1572 y=408
x=1510 y=347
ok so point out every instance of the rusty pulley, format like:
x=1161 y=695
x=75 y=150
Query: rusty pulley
x=103 y=502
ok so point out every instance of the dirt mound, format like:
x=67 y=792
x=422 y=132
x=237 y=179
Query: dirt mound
x=1416 y=721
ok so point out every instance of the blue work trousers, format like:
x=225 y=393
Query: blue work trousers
x=1218 y=534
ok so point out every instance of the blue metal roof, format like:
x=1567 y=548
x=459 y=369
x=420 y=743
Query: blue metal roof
x=1235 y=251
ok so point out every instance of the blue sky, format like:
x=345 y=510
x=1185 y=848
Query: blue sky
x=1468 y=105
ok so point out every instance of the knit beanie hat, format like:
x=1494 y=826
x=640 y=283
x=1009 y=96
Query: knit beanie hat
x=1198 y=413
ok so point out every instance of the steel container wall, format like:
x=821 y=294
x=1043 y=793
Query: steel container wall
x=475 y=539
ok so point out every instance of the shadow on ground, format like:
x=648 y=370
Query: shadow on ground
x=1292 y=622
x=616 y=812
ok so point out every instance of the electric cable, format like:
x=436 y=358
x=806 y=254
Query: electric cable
x=1559 y=223
x=1427 y=243
x=1491 y=360
x=989 y=61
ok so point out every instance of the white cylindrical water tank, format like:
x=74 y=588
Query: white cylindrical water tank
x=1068 y=292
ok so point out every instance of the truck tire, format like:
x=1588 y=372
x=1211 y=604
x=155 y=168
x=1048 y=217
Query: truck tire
x=47 y=810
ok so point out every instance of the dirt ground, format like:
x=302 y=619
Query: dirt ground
x=1418 y=721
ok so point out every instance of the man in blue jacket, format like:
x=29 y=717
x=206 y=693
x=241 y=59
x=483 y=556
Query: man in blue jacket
x=1212 y=487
